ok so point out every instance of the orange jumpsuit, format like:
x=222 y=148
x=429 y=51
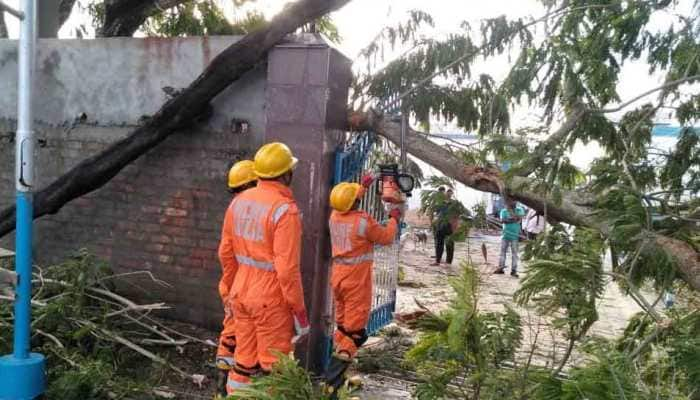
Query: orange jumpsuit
x=229 y=267
x=353 y=236
x=263 y=232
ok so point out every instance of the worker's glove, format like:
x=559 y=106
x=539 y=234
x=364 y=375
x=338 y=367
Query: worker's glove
x=395 y=213
x=301 y=326
x=228 y=308
x=367 y=180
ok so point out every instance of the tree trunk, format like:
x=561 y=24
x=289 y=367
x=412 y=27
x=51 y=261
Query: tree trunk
x=573 y=209
x=193 y=102
x=3 y=27
x=685 y=256
x=124 y=17
x=64 y=11
x=48 y=18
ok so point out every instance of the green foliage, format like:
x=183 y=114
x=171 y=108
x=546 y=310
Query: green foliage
x=199 y=18
x=87 y=364
x=438 y=207
x=635 y=192
x=566 y=284
x=463 y=341
x=206 y=18
x=286 y=381
x=479 y=216
x=673 y=354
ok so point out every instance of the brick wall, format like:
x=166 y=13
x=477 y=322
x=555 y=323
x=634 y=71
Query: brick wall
x=161 y=214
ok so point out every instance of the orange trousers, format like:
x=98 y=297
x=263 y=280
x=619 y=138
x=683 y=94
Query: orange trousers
x=227 y=344
x=352 y=293
x=262 y=332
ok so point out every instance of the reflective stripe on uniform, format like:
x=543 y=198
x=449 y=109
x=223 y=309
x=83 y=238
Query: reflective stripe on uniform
x=263 y=265
x=225 y=363
x=279 y=212
x=232 y=385
x=362 y=227
x=354 y=260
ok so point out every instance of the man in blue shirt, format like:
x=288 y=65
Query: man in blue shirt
x=511 y=217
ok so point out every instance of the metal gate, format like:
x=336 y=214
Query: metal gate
x=360 y=153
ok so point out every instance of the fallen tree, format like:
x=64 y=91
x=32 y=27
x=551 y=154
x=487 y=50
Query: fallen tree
x=192 y=103
x=575 y=207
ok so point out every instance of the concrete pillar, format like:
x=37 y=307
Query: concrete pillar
x=307 y=92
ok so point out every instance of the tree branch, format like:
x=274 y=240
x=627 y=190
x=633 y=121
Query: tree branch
x=491 y=180
x=64 y=10
x=648 y=92
x=3 y=27
x=124 y=17
x=177 y=113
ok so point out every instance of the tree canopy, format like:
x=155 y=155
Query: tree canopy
x=636 y=202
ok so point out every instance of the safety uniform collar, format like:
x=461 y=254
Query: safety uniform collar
x=351 y=212
x=277 y=187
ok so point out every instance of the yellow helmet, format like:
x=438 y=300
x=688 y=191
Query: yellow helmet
x=241 y=173
x=273 y=160
x=344 y=194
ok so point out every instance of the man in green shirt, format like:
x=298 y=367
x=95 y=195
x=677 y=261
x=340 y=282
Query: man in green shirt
x=511 y=217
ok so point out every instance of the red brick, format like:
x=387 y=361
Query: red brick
x=135 y=235
x=209 y=244
x=150 y=227
x=190 y=262
x=177 y=221
x=175 y=231
x=154 y=247
x=203 y=253
x=164 y=239
x=184 y=241
x=176 y=212
x=151 y=210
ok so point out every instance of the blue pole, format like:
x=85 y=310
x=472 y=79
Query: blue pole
x=23 y=267
x=22 y=375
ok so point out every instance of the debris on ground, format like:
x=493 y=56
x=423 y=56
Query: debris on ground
x=100 y=344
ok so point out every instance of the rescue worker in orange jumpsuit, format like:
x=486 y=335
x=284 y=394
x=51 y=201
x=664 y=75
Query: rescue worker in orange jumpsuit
x=354 y=233
x=241 y=177
x=263 y=229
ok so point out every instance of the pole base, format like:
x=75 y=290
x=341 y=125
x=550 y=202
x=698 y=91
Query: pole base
x=22 y=379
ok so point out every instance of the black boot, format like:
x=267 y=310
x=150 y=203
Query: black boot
x=221 y=380
x=335 y=375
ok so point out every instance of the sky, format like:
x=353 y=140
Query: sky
x=361 y=20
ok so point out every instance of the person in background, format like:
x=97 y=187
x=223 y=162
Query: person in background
x=433 y=218
x=511 y=217
x=241 y=177
x=533 y=224
x=354 y=233
x=263 y=229
x=444 y=223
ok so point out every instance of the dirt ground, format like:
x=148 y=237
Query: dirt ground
x=428 y=285
x=434 y=292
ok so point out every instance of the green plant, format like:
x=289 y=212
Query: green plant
x=566 y=284
x=479 y=216
x=287 y=381
x=461 y=351
x=98 y=344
